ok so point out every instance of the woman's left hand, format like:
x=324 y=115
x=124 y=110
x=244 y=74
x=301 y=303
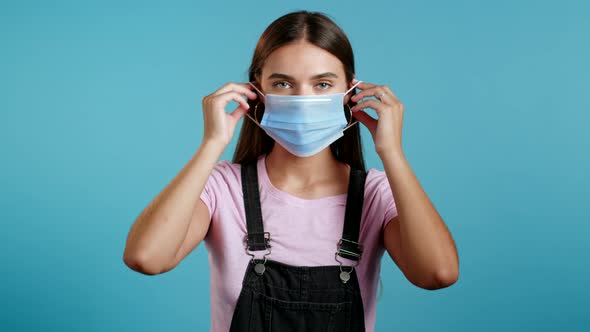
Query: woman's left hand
x=387 y=129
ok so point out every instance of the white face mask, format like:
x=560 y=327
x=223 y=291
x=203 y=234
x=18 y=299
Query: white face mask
x=304 y=124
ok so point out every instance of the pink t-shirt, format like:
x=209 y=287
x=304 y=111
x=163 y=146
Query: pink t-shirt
x=303 y=233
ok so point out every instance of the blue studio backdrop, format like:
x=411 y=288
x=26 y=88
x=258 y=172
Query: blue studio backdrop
x=100 y=109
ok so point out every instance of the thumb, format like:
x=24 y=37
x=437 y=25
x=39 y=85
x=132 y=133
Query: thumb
x=238 y=113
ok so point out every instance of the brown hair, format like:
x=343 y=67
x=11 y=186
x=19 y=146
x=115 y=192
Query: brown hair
x=321 y=31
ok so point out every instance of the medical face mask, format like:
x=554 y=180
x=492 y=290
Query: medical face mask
x=304 y=124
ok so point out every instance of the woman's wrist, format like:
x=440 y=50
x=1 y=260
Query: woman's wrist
x=391 y=154
x=212 y=148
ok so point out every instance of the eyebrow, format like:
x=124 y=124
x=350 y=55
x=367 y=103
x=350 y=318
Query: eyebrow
x=314 y=77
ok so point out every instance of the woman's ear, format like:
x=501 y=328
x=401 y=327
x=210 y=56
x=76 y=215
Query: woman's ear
x=258 y=89
x=350 y=85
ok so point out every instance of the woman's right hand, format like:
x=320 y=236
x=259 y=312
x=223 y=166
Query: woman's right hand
x=219 y=126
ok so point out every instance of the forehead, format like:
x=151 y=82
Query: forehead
x=302 y=60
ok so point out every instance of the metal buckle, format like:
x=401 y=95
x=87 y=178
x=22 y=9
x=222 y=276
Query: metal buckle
x=266 y=244
x=340 y=250
x=341 y=263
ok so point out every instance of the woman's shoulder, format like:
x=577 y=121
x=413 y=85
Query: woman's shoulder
x=226 y=173
x=227 y=166
x=231 y=172
x=377 y=185
x=378 y=192
x=375 y=178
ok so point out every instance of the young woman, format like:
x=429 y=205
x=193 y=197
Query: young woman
x=295 y=226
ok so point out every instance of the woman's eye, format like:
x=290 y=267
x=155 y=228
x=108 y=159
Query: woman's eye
x=282 y=85
x=324 y=85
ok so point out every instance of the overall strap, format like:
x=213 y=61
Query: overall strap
x=257 y=239
x=349 y=246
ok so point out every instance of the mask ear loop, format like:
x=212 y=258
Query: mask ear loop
x=255 y=107
x=254 y=119
x=260 y=92
x=354 y=86
x=350 y=123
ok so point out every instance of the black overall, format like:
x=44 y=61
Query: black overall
x=282 y=298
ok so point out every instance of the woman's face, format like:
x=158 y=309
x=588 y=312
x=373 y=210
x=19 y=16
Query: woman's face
x=302 y=68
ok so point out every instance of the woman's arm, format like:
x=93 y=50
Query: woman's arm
x=418 y=239
x=160 y=230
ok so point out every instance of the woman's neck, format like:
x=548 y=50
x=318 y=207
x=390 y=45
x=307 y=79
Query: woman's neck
x=296 y=174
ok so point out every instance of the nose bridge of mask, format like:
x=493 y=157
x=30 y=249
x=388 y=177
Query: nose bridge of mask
x=303 y=109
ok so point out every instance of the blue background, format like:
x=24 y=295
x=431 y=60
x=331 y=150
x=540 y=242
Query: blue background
x=100 y=109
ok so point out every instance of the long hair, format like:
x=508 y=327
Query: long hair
x=321 y=31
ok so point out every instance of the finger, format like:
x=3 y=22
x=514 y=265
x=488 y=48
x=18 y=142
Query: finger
x=372 y=104
x=367 y=120
x=376 y=91
x=226 y=97
x=365 y=85
x=387 y=91
x=231 y=86
x=242 y=88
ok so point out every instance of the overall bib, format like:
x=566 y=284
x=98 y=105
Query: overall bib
x=280 y=297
